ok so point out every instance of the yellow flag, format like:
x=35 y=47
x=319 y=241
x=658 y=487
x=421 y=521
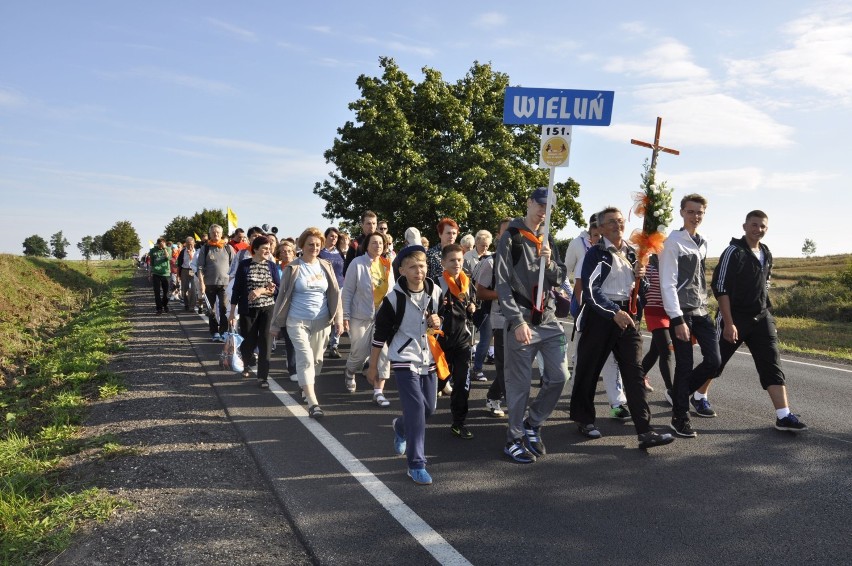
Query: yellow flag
x=232 y=222
x=150 y=243
x=197 y=237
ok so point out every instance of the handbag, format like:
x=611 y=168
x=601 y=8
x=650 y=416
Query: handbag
x=231 y=357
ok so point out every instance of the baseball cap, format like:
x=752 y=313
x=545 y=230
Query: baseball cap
x=539 y=195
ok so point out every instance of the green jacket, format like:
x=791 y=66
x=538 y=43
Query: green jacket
x=159 y=259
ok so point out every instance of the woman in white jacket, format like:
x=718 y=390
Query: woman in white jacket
x=368 y=279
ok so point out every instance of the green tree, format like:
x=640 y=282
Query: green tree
x=121 y=241
x=418 y=152
x=37 y=246
x=58 y=243
x=181 y=227
x=98 y=246
x=808 y=248
x=85 y=247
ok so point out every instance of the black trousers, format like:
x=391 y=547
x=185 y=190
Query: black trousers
x=687 y=379
x=161 y=291
x=459 y=361
x=761 y=337
x=254 y=328
x=498 y=387
x=214 y=292
x=661 y=349
x=599 y=337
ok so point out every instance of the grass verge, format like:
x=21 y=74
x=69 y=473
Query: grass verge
x=831 y=340
x=44 y=402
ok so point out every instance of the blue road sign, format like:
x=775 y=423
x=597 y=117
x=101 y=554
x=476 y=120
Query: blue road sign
x=558 y=106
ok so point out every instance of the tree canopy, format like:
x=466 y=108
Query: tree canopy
x=37 y=246
x=121 y=241
x=182 y=227
x=419 y=152
x=85 y=246
x=58 y=245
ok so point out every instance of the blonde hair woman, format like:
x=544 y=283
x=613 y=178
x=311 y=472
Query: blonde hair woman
x=307 y=305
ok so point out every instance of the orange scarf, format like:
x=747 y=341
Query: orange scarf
x=442 y=368
x=219 y=244
x=385 y=262
x=532 y=238
x=459 y=293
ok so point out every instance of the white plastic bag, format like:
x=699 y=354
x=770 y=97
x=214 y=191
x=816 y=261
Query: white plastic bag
x=231 y=357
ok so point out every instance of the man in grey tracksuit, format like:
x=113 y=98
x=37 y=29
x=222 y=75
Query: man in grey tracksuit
x=529 y=330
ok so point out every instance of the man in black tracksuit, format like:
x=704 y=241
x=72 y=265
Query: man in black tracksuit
x=741 y=284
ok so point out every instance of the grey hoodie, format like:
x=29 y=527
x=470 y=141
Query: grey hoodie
x=683 y=284
x=515 y=283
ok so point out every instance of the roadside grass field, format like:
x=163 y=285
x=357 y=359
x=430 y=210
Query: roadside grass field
x=59 y=323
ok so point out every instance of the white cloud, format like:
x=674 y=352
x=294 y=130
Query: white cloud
x=232 y=30
x=669 y=60
x=747 y=179
x=696 y=108
x=490 y=20
x=320 y=29
x=242 y=145
x=180 y=79
x=819 y=55
x=10 y=98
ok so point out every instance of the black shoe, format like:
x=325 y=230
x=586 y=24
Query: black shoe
x=333 y=353
x=589 y=430
x=263 y=383
x=790 y=423
x=315 y=412
x=682 y=428
x=702 y=408
x=518 y=452
x=651 y=439
x=489 y=360
x=461 y=431
x=532 y=439
x=166 y=308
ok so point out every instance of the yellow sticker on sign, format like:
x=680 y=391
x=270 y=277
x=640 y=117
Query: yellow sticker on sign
x=555 y=146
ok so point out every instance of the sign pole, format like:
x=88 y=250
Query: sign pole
x=545 y=236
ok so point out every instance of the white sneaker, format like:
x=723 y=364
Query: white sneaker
x=350 y=382
x=380 y=399
x=480 y=376
x=294 y=377
x=494 y=408
x=447 y=390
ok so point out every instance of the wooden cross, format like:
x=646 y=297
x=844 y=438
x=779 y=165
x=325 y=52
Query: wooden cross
x=656 y=147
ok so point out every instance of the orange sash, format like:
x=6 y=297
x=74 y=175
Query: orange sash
x=442 y=368
x=537 y=240
x=459 y=293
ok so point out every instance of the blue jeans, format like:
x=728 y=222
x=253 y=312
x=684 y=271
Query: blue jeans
x=687 y=379
x=482 y=346
x=418 y=395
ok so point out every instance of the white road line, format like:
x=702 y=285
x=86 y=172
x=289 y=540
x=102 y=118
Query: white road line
x=433 y=542
x=785 y=360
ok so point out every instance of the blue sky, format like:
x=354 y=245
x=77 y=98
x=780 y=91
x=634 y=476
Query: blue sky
x=148 y=110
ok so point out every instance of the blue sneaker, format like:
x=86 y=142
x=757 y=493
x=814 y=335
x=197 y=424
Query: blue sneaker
x=518 y=452
x=399 y=443
x=702 y=408
x=790 y=423
x=420 y=476
x=216 y=337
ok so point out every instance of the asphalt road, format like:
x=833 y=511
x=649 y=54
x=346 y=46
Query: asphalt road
x=740 y=493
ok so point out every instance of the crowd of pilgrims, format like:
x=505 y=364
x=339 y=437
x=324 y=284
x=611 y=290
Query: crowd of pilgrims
x=431 y=316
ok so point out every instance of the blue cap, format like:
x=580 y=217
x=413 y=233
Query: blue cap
x=539 y=195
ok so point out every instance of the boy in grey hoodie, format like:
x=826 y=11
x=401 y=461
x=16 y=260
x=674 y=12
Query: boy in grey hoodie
x=518 y=257
x=410 y=356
